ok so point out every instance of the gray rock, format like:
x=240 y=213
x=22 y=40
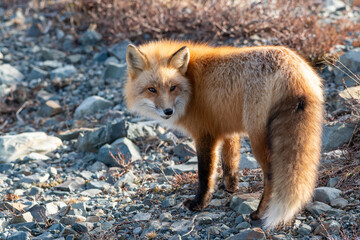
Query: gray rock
x=248 y=207
x=137 y=230
x=119 y=50
x=329 y=227
x=254 y=233
x=92 y=105
x=318 y=208
x=348 y=95
x=102 y=185
x=91 y=141
x=4 y=167
x=351 y=60
x=235 y=203
x=38 y=213
x=9 y=77
x=248 y=161
x=189 y=166
x=91 y=192
x=335 y=135
x=127 y=178
x=165 y=217
x=333 y=181
x=109 y=60
x=50 y=108
x=142 y=217
x=168 y=202
x=97 y=166
x=326 y=194
x=13 y=147
x=63 y=72
x=90 y=37
x=243 y=225
x=71 y=185
x=78 y=209
x=37 y=73
x=334 y=5
x=36 y=157
x=121 y=150
x=35 y=178
x=304 y=229
x=76 y=58
x=185 y=150
x=50 y=64
x=36 y=29
x=25 y=217
x=239 y=219
x=35 y=191
x=80 y=228
x=181 y=226
x=115 y=71
x=52 y=54
x=19 y=236
x=51 y=209
x=339 y=203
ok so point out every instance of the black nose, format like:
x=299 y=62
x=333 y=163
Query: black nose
x=168 y=111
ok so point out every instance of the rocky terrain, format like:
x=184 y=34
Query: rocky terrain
x=75 y=164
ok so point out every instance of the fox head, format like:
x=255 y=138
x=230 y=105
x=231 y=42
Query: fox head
x=157 y=86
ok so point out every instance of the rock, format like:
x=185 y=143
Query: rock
x=181 y=226
x=50 y=108
x=91 y=141
x=97 y=166
x=13 y=147
x=121 y=150
x=52 y=54
x=333 y=181
x=235 y=203
x=318 y=208
x=351 y=60
x=36 y=157
x=165 y=217
x=189 y=166
x=9 y=77
x=142 y=217
x=25 y=217
x=19 y=236
x=326 y=194
x=35 y=178
x=36 y=29
x=185 y=150
x=76 y=58
x=102 y=185
x=119 y=50
x=37 y=73
x=331 y=6
x=38 y=213
x=248 y=161
x=72 y=133
x=71 y=185
x=52 y=171
x=127 y=178
x=92 y=105
x=91 y=192
x=63 y=72
x=243 y=225
x=339 y=203
x=335 y=135
x=304 y=229
x=329 y=227
x=168 y=202
x=4 y=167
x=248 y=207
x=90 y=37
x=239 y=219
x=51 y=209
x=218 y=202
x=78 y=209
x=71 y=219
x=254 y=233
x=80 y=228
x=348 y=95
x=115 y=71
x=35 y=191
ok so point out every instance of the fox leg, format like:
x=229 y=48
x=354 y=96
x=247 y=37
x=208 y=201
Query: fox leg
x=206 y=153
x=262 y=155
x=230 y=163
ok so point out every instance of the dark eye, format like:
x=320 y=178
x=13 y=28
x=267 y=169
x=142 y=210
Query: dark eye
x=172 y=88
x=153 y=90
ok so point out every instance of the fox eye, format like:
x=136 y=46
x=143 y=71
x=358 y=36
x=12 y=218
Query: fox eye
x=153 y=90
x=172 y=88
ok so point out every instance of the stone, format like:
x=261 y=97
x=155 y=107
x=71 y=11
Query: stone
x=239 y=219
x=165 y=217
x=333 y=181
x=185 y=150
x=247 y=207
x=9 y=78
x=38 y=213
x=51 y=209
x=35 y=178
x=36 y=157
x=317 y=208
x=91 y=192
x=35 y=191
x=335 y=135
x=14 y=147
x=115 y=71
x=19 y=236
x=351 y=60
x=218 y=202
x=181 y=226
x=168 y=202
x=248 y=161
x=253 y=233
x=92 y=105
x=339 y=203
x=78 y=209
x=328 y=228
x=121 y=150
x=71 y=219
x=80 y=228
x=36 y=29
x=235 y=203
x=52 y=171
x=119 y=50
x=63 y=72
x=52 y=54
x=326 y=194
x=142 y=217
x=72 y=133
x=331 y=6
x=348 y=95
x=243 y=225
x=76 y=58
x=304 y=229
x=4 y=167
x=37 y=73
x=50 y=108
x=102 y=185
x=25 y=217
x=90 y=37
x=93 y=140
x=71 y=185
x=97 y=166
x=189 y=166
x=127 y=178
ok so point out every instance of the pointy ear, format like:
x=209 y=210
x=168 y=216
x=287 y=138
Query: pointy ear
x=180 y=59
x=136 y=60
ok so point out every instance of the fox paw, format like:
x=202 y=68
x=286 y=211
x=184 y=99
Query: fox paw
x=255 y=216
x=230 y=189
x=193 y=205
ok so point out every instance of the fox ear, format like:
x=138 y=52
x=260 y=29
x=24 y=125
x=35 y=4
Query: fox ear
x=136 y=60
x=180 y=59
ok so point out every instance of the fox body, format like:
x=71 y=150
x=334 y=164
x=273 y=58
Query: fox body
x=217 y=95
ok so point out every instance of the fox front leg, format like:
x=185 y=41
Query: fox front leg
x=206 y=154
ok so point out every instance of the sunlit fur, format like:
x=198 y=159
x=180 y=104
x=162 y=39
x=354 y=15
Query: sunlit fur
x=269 y=93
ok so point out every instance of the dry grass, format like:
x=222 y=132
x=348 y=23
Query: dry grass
x=180 y=180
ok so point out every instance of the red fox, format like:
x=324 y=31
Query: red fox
x=217 y=95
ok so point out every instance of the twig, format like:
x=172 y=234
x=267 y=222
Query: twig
x=192 y=227
x=18 y=112
x=4 y=124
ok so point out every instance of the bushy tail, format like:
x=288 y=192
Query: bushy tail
x=294 y=138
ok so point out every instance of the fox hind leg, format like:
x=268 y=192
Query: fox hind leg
x=230 y=163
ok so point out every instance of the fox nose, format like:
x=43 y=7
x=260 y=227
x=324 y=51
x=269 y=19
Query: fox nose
x=168 y=111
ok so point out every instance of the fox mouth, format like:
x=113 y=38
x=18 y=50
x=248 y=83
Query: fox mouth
x=165 y=117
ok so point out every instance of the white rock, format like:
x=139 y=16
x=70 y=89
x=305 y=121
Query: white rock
x=91 y=105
